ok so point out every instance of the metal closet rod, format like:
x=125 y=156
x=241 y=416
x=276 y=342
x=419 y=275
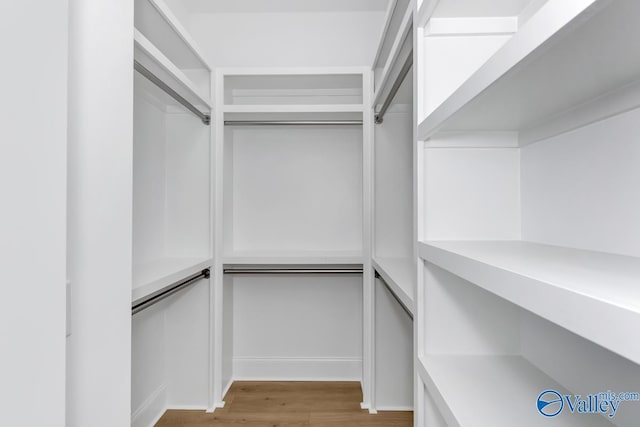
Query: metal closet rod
x=379 y=118
x=206 y=118
x=177 y=287
x=292 y=271
x=404 y=307
x=293 y=122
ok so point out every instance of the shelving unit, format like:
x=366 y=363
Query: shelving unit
x=291 y=199
x=563 y=285
x=172 y=218
x=525 y=176
x=393 y=254
x=459 y=384
x=155 y=20
x=534 y=65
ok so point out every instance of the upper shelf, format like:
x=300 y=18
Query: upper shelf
x=147 y=54
x=563 y=285
x=567 y=54
x=308 y=88
x=154 y=19
x=304 y=94
x=394 y=48
x=293 y=258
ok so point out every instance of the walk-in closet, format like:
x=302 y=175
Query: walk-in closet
x=381 y=213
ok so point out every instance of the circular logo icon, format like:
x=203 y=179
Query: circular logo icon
x=550 y=403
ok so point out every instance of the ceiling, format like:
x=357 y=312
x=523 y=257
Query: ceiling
x=266 y=6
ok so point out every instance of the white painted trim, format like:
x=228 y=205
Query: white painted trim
x=368 y=277
x=425 y=12
x=403 y=33
x=605 y=106
x=180 y=30
x=226 y=388
x=471 y=26
x=186 y=408
x=480 y=139
x=394 y=408
x=296 y=369
x=151 y=410
x=165 y=64
x=385 y=30
x=217 y=279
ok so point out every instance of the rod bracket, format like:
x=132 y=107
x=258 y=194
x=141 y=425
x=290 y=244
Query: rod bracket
x=378 y=119
x=206 y=120
x=206 y=273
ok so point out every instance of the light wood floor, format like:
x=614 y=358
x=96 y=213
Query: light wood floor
x=289 y=404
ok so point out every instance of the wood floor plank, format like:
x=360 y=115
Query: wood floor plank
x=289 y=404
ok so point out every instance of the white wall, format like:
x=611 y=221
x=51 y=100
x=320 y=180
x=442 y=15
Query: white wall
x=288 y=39
x=294 y=177
x=297 y=327
x=33 y=142
x=580 y=189
x=100 y=212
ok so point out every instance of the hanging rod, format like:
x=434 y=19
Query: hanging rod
x=154 y=299
x=404 y=307
x=292 y=271
x=394 y=89
x=293 y=122
x=206 y=118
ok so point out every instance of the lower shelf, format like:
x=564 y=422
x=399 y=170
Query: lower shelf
x=151 y=277
x=492 y=391
x=563 y=285
x=398 y=273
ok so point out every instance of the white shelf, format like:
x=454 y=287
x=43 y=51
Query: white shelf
x=491 y=391
x=156 y=20
x=154 y=60
x=588 y=43
x=151 y=277
x=335 y=108
x=398 y=273
x=294 y=258
x=583 y=291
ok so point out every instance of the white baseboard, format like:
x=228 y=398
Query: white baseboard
x=297 y=369
x=226 y=388
x=151 y=410
x=186 y=407
x=395 y=408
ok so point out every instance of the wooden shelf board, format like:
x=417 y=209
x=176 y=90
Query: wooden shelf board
x=151 y=277
x=398 y=273
x=485 y=391
x=582 y=291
